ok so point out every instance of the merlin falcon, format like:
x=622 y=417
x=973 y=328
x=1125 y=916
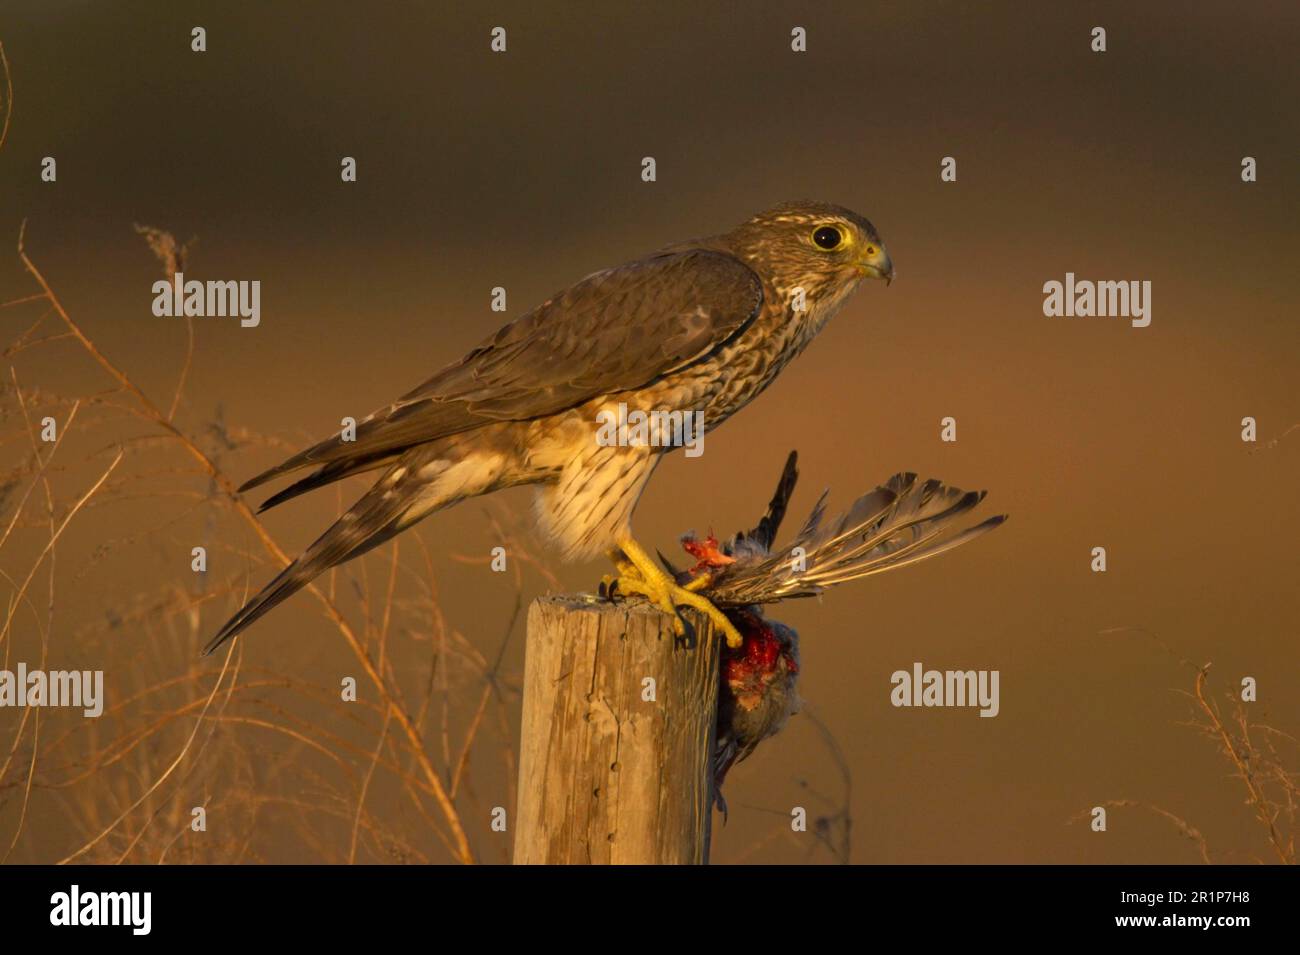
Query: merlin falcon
x=703 y=325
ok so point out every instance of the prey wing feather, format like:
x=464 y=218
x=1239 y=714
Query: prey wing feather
x=616 y=330
x=899 y=523
x=756 y=543
x=759 y=541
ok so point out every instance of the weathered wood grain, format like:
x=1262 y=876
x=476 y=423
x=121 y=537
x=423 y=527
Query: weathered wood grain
x=606 y=776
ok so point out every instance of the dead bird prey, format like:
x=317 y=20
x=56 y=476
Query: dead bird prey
x=899 y=523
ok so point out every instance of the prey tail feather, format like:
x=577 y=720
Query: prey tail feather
x=899 y=523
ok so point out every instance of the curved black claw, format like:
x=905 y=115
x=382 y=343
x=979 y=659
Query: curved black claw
x=687 y=639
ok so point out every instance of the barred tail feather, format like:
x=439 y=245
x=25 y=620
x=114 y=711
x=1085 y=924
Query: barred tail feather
x=899 y=523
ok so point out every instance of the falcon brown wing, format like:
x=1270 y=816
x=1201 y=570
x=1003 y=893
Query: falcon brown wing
x=616 y=330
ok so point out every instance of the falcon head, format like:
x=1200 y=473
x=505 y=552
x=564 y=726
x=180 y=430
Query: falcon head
x=815 y=245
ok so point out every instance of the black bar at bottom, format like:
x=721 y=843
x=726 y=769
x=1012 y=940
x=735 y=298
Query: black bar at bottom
x=335 y=905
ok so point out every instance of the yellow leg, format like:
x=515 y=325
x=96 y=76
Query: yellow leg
x=653 y=583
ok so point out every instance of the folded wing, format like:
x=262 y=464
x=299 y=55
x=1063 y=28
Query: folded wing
x=615 y=330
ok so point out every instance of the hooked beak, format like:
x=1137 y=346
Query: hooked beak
x=876 y=263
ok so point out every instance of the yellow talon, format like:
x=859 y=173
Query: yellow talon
x=660 y=589
x=627 y=573
x=699 y=583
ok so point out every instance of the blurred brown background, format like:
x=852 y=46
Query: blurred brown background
x=522 y=170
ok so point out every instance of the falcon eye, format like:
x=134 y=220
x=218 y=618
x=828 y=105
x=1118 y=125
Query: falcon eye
x=827 y=238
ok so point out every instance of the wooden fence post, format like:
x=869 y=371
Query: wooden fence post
x=613 y=768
